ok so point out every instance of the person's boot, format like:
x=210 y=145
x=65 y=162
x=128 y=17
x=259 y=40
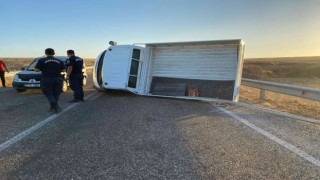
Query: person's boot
x=57 y=108
x=81 y=98
x=52 y=108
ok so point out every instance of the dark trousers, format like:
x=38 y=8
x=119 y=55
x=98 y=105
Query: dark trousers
x=3 y=79
x=52 y=88
x=75 y=81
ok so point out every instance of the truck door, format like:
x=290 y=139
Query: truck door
x=135 y=68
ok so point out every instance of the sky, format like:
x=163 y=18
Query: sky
x=270 y=28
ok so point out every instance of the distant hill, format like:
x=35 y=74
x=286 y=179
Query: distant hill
x=291 y=59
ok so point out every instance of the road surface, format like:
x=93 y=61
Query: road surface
x=118 y=135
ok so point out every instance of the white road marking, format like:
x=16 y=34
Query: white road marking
x=25 y=133
x=95 y=97
x=284 y=144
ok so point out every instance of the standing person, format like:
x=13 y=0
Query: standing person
x=3 y=68
x=75 y=76
x=51 y=78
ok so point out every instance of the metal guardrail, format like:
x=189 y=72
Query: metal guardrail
x=299 y=91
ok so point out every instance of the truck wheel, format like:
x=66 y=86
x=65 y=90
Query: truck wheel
x=21 y=90
x=65 y=86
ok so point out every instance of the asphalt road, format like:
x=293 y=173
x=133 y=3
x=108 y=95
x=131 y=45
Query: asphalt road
x=118 y=135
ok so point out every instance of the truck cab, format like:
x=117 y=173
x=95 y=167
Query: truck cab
x=118 y=67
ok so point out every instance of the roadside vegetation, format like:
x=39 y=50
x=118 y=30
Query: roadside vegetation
x=301 y=71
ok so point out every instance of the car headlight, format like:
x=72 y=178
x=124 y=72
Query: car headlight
x=16 y=78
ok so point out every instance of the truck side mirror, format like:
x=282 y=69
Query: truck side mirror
x=23 y=68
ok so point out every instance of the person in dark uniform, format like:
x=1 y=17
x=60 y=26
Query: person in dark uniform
x=75 y=76
x=51 y=78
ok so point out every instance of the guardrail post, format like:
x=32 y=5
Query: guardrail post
x=262 y=95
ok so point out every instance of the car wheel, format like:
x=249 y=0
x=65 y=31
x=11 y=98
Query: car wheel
x=21 y=90
x=65 y=86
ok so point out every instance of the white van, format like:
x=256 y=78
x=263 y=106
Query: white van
x=210 y=69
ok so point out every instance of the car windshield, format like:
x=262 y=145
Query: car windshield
x=32 y=65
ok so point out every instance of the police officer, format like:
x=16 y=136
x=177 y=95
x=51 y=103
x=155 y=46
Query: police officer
x=51 y=79
x=75 y=76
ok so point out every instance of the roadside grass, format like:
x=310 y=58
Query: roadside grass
x=301 y=71
x=269 y=68
x=15 y=64
x=282 y=102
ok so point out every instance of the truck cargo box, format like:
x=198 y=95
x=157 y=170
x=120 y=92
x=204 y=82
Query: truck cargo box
x=211 y=69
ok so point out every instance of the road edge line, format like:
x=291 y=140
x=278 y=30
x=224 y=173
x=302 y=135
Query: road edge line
x=272 y=137
x=95 y=96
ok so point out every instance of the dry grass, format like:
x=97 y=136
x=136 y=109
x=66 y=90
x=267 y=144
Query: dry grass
x=297 y=71
x=9 y=81
x=270 y=68
x=15 y=64
x=290 y=104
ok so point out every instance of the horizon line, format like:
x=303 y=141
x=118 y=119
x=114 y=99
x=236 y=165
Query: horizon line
x=244 y=58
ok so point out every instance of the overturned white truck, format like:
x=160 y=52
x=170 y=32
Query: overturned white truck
x=204 y=69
